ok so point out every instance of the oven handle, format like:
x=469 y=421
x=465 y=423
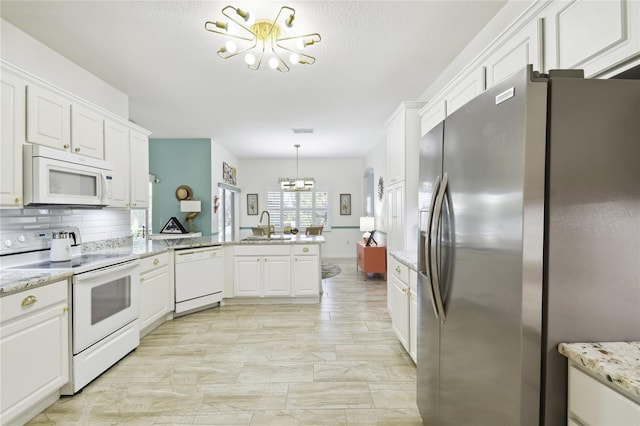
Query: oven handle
x=107 y=270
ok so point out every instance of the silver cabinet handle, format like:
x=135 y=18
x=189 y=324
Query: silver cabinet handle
x=29 y=300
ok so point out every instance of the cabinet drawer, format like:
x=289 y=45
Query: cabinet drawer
x=305 y=249
x=595 y=403
x=33 y=300
x=400 y=271
x=155 y=261
x=262 y=250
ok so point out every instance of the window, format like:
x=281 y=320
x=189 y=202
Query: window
x=298 y=209
x=226 y=213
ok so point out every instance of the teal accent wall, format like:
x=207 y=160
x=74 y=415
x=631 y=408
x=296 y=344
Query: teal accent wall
x=180 y=162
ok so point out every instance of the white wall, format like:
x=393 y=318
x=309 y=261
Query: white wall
x=377 y=159
x=23 y=51
x=338 y=175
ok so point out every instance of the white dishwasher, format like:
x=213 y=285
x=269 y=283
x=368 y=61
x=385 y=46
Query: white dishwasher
x=199 y=274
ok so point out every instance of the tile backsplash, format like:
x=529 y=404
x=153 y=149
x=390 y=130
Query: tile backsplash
x=94 y=225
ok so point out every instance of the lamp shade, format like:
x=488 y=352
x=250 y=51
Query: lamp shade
x=189 y=206
x=367 y=223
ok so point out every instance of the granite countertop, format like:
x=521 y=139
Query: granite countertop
x=407 y=258
x=617 y=363
x=13 y=281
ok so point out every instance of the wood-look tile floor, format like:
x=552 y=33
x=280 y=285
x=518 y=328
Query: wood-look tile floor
x=334 y=363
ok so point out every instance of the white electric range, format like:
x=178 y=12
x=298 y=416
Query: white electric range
x=104 y=294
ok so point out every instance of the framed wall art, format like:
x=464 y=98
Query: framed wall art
x=345 y=204
x=252 y=204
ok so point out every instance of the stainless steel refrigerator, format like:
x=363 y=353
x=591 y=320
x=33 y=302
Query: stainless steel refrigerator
x=529 y=200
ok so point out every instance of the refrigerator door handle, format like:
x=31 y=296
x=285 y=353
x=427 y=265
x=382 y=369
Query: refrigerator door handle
x=435 y=251
x=427 y=246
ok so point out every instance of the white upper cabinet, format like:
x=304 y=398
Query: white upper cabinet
x=403 y=133
x=139 y=169
x=128 y=151
x=432 y=114
x=524 y=48
x=48 y=118
x=87 y=131
x=11 y=139
x=592 y=35
x=117 y=153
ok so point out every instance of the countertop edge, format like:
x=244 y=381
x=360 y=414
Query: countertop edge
x=616 y=363
x=408 y=259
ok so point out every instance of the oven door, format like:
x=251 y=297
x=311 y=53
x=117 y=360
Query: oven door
x=59 y=182
x=104 y=300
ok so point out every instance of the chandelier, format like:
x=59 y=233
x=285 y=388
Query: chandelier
x=297 y=184
x=262 y=39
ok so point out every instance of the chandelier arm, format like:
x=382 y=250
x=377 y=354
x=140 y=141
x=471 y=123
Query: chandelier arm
x=231 y=55
x=314 y=36
x=309 y=57
x=274 y=43
x=259 y=62
x=224 y=33
x=239 y=23
x=275 y=21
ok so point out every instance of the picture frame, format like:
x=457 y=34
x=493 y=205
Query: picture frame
x=345 y=204
x=252 y=204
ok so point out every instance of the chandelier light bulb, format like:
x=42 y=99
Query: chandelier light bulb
x=273 y=63
x=250 y=59
x=294 y=58
x=230 y=46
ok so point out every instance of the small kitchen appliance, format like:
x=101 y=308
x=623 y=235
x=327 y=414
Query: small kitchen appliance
x=61 y=246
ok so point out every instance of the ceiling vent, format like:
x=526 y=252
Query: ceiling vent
x=302 y=131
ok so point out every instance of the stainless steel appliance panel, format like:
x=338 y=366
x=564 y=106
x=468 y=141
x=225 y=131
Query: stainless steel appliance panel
x=593 y=223
x=484 y=158
x=428 y=328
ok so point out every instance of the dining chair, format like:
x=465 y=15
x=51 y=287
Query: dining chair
x=314 y=230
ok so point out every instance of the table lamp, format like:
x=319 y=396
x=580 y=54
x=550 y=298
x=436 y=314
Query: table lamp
x=368 y=225
x=192 y=208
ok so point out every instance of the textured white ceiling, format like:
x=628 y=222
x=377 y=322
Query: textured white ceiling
x=373 y=55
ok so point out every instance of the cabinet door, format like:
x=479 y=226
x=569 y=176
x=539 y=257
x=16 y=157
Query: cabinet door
x=139 y=170
x=395 y=236
x=399 y=310
x=276 y=275
x=87 y=132
x=35 y=350
x=247 y=276
x=592 y=35
x=48 y=118
x=396 y=147
x=154 y=301
x=523 y=48
x=306 y=275
x=11 y=139
x=432 y=115
x=117 y=152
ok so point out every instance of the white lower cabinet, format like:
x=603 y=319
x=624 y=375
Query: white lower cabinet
x=306 y=270
x=403 y=304
x=34 y=343
x=156 y=291
x=591 y=402
x=262 y=270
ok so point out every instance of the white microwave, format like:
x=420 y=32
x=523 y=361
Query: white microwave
x=54 y=177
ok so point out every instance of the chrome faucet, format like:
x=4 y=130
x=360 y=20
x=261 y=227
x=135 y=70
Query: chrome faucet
x=268 y=222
